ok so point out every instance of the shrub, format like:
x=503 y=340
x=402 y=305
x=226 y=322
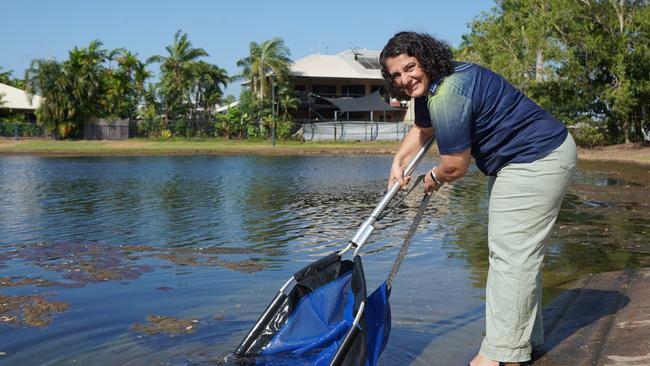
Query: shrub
x=165 y=133
x=587 y=136
x=284 y=129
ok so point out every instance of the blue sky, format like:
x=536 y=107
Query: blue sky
x=45 y=28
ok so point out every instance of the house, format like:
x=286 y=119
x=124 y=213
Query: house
x=348 y=74
x=344 y=96
x=14 y=100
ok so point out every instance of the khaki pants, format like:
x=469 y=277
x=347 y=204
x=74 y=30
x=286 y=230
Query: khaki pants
x=524 y=202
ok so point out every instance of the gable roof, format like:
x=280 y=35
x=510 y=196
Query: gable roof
x=349 y=64
x=15 y=98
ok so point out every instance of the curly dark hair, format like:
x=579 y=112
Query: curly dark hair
x=434 y=56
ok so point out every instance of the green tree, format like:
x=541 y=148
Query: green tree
x=287 y=103
x=269 y=57
x=206 y=88
x=5 y=76
x=515 y=38
x=84 y=72
x=229 y=123
x=252 y=112
x=267 y=64
x=607 y=55
x=83 y=87
x=47 y=79
x=585 y=61
x=176 y=75
x=125 y=84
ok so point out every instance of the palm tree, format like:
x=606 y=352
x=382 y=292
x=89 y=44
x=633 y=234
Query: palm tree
x=176 y=71
x=270 y=57
x=207 y=85
x=72 y=90
x=265 y=63
x=114 y=54
x=46 y=78
x=288 y=102
x=126 y=84
x=84 y=71
x=5 y=76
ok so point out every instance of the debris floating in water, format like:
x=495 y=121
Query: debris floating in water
x=79 y=265
x=166 y=325
x=33 y=310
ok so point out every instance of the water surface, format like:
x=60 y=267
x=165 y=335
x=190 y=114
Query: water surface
x=92 y=250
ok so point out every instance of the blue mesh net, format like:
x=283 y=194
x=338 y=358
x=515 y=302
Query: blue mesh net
x=319 y=322
x=377 y=323
x=319 y=318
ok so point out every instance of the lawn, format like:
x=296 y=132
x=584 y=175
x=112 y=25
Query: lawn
x=190 y=146
x=637 y=153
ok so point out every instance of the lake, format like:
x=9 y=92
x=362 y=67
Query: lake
x=170 y=260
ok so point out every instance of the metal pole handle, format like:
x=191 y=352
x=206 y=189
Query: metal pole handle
x=366 y=229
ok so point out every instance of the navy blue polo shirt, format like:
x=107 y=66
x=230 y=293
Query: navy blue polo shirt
x=478 y=109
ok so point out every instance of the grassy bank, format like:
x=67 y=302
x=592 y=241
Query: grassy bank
x=190 y=147
x=635 y=153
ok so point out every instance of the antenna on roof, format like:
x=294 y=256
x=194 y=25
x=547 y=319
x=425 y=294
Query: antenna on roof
x=356 y=51
x=321 y=45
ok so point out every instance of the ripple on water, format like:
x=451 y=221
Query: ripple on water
x=221 y=234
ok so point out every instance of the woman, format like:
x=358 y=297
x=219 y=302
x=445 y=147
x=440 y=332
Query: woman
x=528 y=156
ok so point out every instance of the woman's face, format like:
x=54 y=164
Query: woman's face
x=408 y=75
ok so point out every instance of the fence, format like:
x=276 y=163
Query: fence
x=355 y=130
x=179 y=127
x=122 y=129
x=18 y=130
x=105 y=129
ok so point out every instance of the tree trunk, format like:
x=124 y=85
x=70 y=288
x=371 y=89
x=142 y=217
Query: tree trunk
x=626 y=130
x=539 y=66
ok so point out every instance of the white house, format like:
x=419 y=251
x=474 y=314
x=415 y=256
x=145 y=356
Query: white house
x=17 y=100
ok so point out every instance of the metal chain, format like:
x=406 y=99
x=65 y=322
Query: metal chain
x=417 y=181
x=407 y=240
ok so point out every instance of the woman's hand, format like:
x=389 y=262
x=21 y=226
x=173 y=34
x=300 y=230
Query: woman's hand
x=397 y=175
x=431 y=181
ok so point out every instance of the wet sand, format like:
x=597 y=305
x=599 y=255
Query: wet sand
x=604 y=321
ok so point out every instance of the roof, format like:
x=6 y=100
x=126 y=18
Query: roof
x=349 y=64
x=14 y=98
x=372 y=102
x=225 y=108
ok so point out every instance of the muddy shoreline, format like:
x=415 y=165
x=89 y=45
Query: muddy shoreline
x=636 y=153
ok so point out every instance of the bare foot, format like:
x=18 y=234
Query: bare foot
x=483 y=361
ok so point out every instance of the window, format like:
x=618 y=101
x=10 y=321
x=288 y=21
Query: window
x=324 y=90
x=300 y=92
x=374 y=88
x=353 y=91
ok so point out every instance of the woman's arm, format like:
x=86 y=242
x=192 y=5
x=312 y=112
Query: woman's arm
x=412 y=142
x=451 y=168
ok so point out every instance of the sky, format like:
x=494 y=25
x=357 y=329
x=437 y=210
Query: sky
x=49 y=29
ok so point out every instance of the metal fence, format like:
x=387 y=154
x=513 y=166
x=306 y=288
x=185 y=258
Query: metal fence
x=19 y=130
x=355 y=130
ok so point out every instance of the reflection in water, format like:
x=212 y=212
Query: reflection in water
x=121 y=240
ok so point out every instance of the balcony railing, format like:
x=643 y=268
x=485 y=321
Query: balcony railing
x=304 y=96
